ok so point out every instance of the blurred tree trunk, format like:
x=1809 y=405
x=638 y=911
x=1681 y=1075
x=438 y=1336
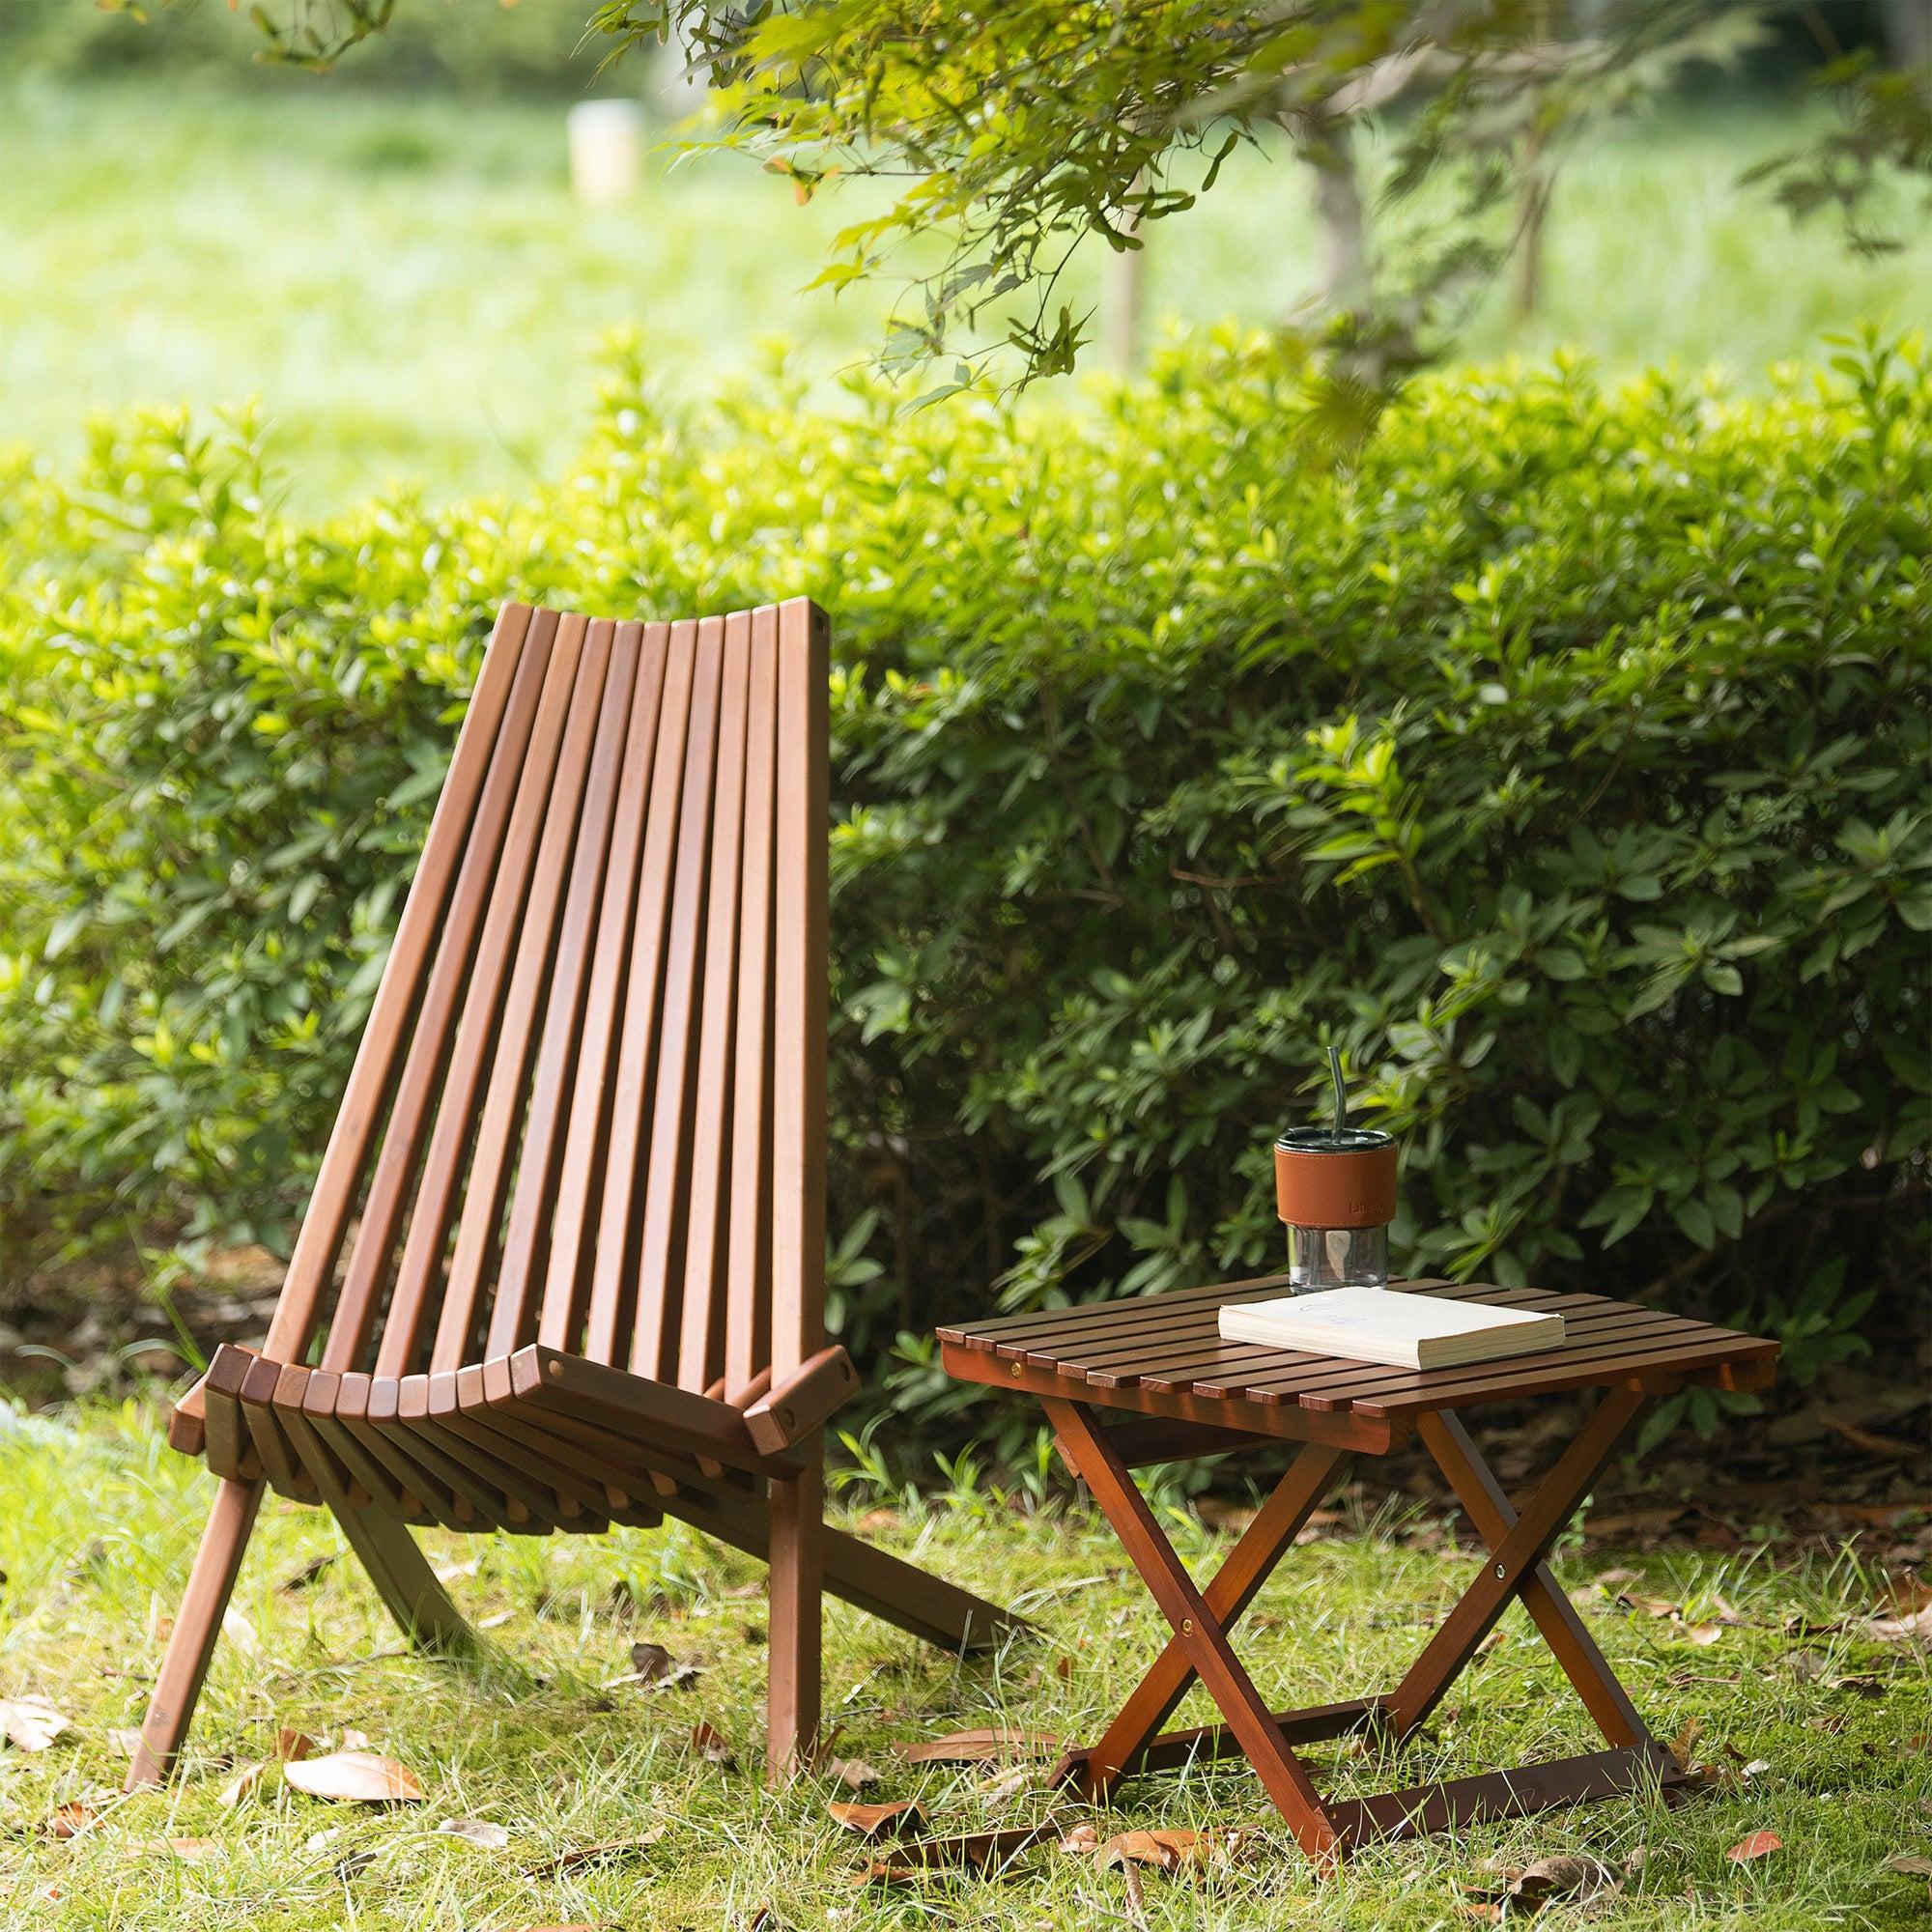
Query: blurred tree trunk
x=1908 y=31
x=1342 y=216
x=1527 y=285
x=1121 y=300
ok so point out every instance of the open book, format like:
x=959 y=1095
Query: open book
x=1379 y=1324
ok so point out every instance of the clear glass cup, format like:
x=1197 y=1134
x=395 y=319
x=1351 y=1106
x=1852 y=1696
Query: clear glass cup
x=1322 y=1258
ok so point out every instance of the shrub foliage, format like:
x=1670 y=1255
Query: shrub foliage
x=1562 y=756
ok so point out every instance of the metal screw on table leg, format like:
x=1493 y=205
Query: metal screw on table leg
x=1187 y=1625
x=1500 y=1571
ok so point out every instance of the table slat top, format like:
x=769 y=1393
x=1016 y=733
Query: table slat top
x=1170 y=1345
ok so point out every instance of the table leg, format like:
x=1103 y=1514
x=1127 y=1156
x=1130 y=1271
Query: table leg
x=1515 y=1561
x=1204 y=1641
x=1555 y=1615
x=1121 y=1749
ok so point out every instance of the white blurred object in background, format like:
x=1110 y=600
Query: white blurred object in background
x=606 y=151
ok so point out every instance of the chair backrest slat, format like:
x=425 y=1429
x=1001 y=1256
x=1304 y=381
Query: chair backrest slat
x=590 y=1108
x=372 y=1252
x=670 y=1085
x=700 y=1338
x=749 y=1252
x=384 y=1035
x=799 y=993
x=566 y=1277
x=506 y=1100
x=424 y=1247
x=613 y=1278
x=534 y=1202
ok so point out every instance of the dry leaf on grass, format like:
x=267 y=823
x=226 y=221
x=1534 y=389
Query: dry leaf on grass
x=1165 y=1851
x=1758 y=1845
x=124 y=1740
x=1569 y=1875
x=311 y=1572
x=239 y=1632
x=883 y=1871
x=355 y=1778
x=975 y=1746
x=853 y=1773
x=478 y=1832
x=290 y=1746
x=613 y=1851
x=1911 y=1864
x=654 y=1668
x=1009 y=1785
x=879 y=1821
x=72 y=1819
x=1907 y=1594
x=29 y=1723
x=1915 y=1627
x=711 y=1746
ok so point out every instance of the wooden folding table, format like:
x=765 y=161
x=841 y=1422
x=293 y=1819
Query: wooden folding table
x=1190 y=1393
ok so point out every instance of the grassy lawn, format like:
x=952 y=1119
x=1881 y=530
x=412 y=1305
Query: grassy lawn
x=100 y=1521
x=408 y=289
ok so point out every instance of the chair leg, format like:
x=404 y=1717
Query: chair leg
x=405 y=1584
x=211 y=1583
x=389 y=1553
x=798 y=1584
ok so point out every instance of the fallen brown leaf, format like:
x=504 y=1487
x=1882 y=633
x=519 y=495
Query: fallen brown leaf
x=1886 y=1448
x=72 y=1819
x=1916 y=1627
x=853 y=1773
x=656 y=1668
x=1758 y=1845
x=1009 y=1785
x=1911 y=1864
x=29 y=1723
x=478 y=1832
x=883 y=1871
x=1080 y=1840
x=127 y=1741
x=1569 y=1875
x=1651 y=1607
x=613 y=1852
x=711 y=1746
x=355 y=1778
x=879 y=1821
x=975 y=1746
x=311 y=1572
x=1166 y=1851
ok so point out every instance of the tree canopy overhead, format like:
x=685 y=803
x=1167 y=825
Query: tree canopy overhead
x=1013 y=131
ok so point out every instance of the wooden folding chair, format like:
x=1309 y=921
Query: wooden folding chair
x=579 y=1172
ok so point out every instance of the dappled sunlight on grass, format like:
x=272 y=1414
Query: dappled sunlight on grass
x=99 y=1524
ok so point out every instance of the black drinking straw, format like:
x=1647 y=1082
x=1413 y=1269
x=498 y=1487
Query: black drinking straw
x=1340 y=1094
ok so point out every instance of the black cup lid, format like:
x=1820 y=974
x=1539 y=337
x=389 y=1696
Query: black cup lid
x=1328 y=1140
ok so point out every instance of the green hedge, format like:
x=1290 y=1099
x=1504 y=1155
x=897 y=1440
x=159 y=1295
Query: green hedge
x=1564 y=756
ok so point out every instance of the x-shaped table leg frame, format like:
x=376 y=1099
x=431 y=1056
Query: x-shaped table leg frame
x=1519 y=1546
